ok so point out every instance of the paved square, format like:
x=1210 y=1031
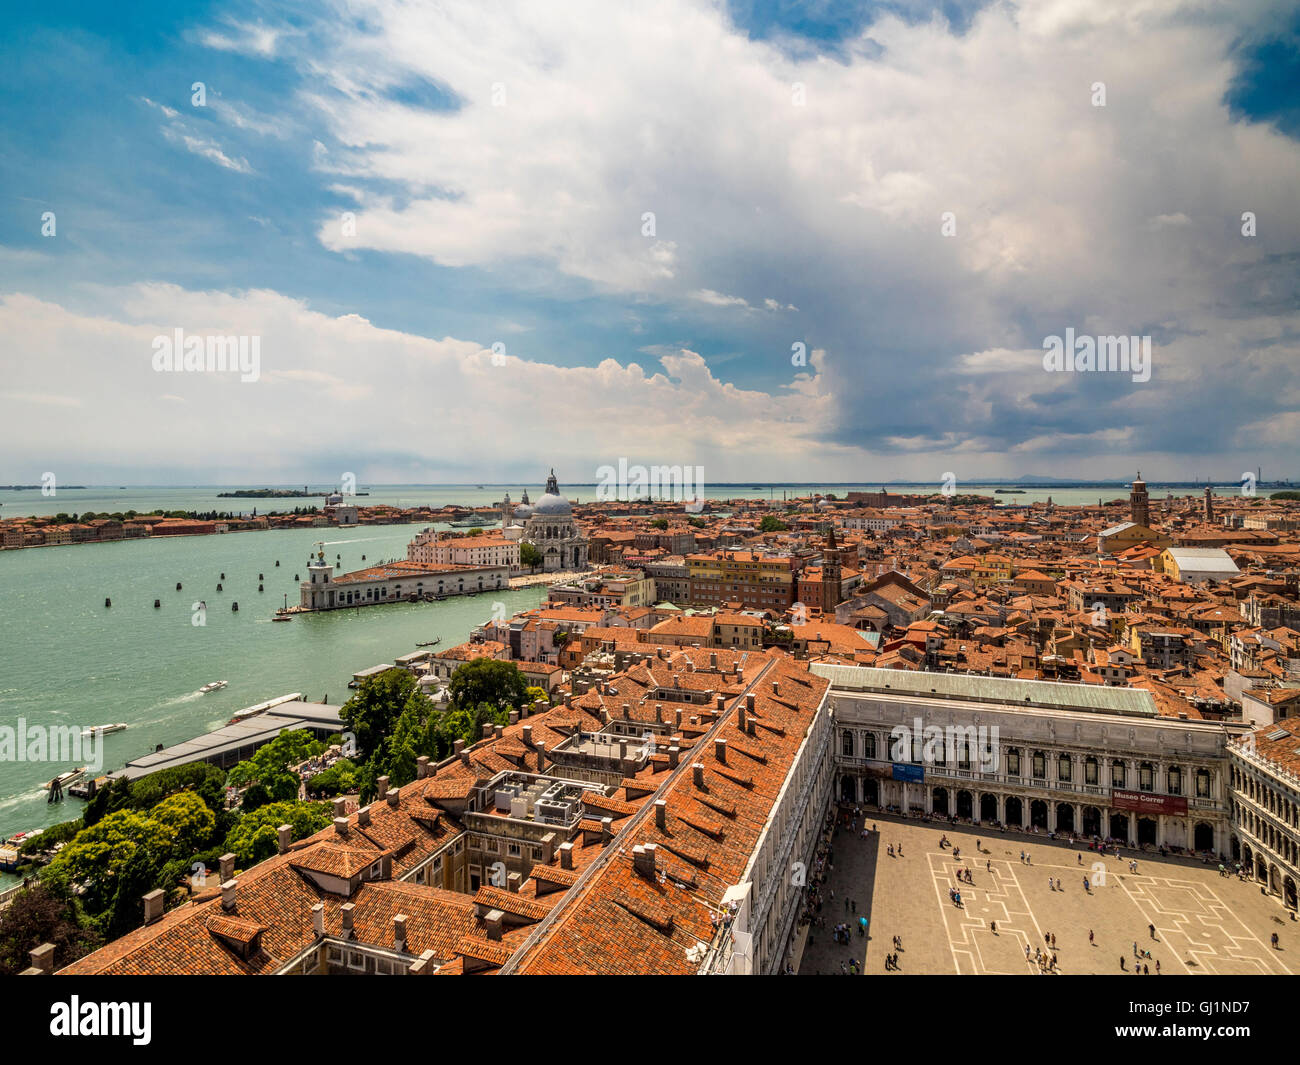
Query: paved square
x=1205 y=923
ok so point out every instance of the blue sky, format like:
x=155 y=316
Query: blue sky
x=519 y=222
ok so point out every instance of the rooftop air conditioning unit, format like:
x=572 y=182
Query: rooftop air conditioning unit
x=550 y=812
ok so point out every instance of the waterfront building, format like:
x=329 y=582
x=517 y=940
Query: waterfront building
x=394 y=582
x=430 y=548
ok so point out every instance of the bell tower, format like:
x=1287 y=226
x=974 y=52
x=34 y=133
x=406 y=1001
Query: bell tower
x=1139 y=507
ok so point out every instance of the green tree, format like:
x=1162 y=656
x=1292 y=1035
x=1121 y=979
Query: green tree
x=372 y=712
x=529 y=555
x=659 y=523
x=338 y=779
x=487 y=680
x=269 y=764
x=771 y=523
x=256 y=837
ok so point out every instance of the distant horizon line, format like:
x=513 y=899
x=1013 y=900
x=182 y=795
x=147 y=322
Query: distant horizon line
x=750 y=484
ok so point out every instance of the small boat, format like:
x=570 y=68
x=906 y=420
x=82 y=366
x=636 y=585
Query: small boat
x=282 y=617
x=64 y=779
x=216 y=685
x=103 y=730
x=430 y=643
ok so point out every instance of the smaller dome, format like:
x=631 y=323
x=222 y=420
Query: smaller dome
x=523 y=511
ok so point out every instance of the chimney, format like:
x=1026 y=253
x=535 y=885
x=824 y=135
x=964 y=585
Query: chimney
x=514 y=882
x=283 y=837
x=527 y=731
x=514 y=717
x=493 y=920
x=677 y=717
x=606 y=830
x=318 y=919
x=566 y=855
x=643 y=859
x=713 y=659
x=228 y=896
x=345 y=911
x=363 y=817
x=659 y=713
x=661 y=814
x=153 y=905
x=399 y=933
x=43 y=959
x=541 y=758
x=424 y=965
x=697 y=771
x=341 y=826
x=740 y=717
x=674 y=756
x=393 y=797
x=382 y=783
x=340 y=807
x=488 y=732
x=386 y=867
x=226 y=865
x=776 y=687
x=458 y=747
x=749 y=701
x=422 y=767
x=720 y=750
x=627 y=711
x=720 y=704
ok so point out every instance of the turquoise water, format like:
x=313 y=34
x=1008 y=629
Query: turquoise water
x=205 y=497
x=65 y=659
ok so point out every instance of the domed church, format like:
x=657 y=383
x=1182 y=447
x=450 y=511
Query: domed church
x=549 y=526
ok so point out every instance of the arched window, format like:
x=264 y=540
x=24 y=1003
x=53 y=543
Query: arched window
x=1013 y=761
x=869 y=745
x=1090 y=770
x=846 y=743
x=1118 y=774
x=1146 y=777
x=1064 y=768
x=1039 y=766
x=1175 y=781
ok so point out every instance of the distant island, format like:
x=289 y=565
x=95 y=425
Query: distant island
x=268 y=493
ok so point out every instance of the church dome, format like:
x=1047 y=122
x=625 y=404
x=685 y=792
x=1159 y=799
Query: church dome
x=523 y=512
x=553 y=506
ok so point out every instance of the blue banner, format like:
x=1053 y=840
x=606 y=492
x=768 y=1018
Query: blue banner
x=908 y=772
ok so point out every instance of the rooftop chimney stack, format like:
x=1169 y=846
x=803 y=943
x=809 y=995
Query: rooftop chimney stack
x=606 y=830
x=527 y=731
x=318 y=919
x=643 y=860
x=153 y=905
x=363 y=817
x=381 y=784
x=493 y=920
x=345 y=911
x=697 y=774
x=340 y=807
x=283 y=837
x=720 y=750
x=749 y=701
x=422 y=767
x=674 y=756
x=226 y=866
x=399 y=933
x=228 y=896
x=394 y=797
x=661 y=814
x=566 y=855
x=341 y=826
x=43 y=959
x=541 y=758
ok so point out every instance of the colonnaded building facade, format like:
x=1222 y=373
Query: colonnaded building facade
x=1070 y=758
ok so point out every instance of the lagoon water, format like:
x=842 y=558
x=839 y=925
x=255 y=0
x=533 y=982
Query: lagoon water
x=66 y=659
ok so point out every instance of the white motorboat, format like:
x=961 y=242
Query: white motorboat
x=103 y=730
x=216 y=685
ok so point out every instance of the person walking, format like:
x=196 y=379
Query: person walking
x=1122 y=966
x=1092 y=939
x=1152 y=929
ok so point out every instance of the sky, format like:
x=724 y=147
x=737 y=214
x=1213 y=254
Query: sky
x=818 y=242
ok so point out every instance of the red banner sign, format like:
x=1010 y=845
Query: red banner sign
x=1145 y=802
